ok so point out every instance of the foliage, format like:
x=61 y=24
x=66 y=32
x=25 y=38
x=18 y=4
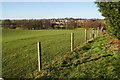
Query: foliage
x=111 y=12
x=36 y=24
x=94 y=24
x=26 y=24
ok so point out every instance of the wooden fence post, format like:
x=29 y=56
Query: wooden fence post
x=85 y=35
x=93 y=35
x=39 y=56
x=97 y=31
x=72 y=42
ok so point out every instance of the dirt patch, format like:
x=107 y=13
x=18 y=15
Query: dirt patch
x=114 y=44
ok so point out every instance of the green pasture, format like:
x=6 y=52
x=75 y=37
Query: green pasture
x=19 y=49
x=92 y=61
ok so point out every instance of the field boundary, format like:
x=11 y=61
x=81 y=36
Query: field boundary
x=94 y=34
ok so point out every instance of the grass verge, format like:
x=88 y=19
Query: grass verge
x=93 y=60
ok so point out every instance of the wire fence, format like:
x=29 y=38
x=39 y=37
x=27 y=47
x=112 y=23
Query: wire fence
x=65 y=44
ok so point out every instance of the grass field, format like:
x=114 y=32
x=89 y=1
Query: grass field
x=93 y=61
x=19 y=49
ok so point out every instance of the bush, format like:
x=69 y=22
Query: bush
x=111 y=12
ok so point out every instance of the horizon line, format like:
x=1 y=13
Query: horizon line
x=46 y=18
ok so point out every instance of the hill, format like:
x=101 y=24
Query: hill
x=99 y=58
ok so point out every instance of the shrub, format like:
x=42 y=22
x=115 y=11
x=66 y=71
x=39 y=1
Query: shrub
x=111 y=12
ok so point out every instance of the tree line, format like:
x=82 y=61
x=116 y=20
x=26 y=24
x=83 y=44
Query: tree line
x=36 y=24
x=25 y=24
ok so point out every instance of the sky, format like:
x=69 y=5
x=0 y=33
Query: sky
x=48 y=0
x=42 y=10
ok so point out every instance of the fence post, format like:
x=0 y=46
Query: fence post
x=93 y=35
x=85 y=35
x=97 y=31
x=39 y=56
x=72 y=42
